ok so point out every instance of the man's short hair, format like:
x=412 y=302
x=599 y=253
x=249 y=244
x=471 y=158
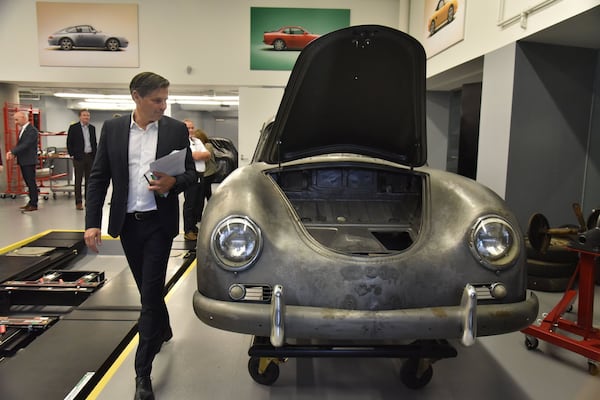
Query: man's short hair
x=147 y=82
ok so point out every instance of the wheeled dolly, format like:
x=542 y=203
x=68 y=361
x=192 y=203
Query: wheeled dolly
x=582 y=337
x=53 y=287
x=416 y=372
x=16 y=333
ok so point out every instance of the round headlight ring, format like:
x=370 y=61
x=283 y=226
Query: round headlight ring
x=494 y=243
x=236 y=243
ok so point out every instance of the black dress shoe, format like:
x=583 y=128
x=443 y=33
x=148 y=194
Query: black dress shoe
x=143 y=388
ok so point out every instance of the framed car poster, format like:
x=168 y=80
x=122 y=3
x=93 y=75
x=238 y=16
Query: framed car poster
x=277 y=35
x=87 y=34
x=444 y=24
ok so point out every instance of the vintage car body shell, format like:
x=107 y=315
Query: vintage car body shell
x=355 y=105
x=358 y=90
x=226 y=157
x=416 y=294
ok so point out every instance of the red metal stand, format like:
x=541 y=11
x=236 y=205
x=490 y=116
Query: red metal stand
x=549 y=329
x=14 y=181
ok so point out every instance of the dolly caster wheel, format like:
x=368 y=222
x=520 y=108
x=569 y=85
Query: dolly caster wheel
x=263 y=370
x=13 y=196
x=531 y=342
x=416 y=373
x=569 y=309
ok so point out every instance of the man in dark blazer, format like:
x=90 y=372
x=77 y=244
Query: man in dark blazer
x=26 y=153
x=81 y=145
x=144 y=207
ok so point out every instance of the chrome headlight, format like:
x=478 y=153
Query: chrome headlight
x=236 y=243
x=494 y=242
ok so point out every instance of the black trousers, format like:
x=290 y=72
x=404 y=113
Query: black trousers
x=28 y=172
x=207 y=186
x=147 y=247
x=82 y=169
x=193 y=205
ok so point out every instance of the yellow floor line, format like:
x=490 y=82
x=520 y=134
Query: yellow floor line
x=23 y=242
x=113 y=369
x=131 y=346
x=30 y=239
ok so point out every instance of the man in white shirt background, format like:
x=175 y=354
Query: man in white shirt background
x=194 y=195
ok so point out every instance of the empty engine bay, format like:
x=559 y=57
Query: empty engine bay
x=356 y=209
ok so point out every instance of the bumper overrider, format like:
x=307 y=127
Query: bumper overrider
x=279 y=321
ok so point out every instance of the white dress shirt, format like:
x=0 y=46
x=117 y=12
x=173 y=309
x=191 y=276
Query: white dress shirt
x=142 y=151
x=197 y=145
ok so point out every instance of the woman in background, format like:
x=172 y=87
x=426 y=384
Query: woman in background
x=211 y=164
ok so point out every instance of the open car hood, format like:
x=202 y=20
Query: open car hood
x=356 y=90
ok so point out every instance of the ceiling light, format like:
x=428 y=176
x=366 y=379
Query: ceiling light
x=91 y=105
x=179 y=99
x=206 y=102
x=105 y=100
x=93 y=96
x=96 y=101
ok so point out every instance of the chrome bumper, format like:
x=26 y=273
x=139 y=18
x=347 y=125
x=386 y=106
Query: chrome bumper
x=279 y=321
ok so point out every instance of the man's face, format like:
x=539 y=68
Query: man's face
x=151 y=107
x=190 y=127
x=84 y=117
x=20 y=119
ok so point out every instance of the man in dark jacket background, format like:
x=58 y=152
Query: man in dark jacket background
x=26 y=153
x=81 y=145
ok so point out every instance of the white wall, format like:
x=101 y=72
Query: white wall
x=495 y=118
x=257 y=105
x=211 y=36
x=482 y=33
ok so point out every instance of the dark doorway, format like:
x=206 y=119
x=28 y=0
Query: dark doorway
x=469 y=130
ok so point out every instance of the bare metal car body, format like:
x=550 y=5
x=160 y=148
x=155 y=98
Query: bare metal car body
x=351 y=236
x=226 y=157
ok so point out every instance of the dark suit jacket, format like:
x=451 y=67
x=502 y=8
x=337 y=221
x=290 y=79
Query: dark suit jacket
x=75 y=142
x=26 y=149
x=112 y=163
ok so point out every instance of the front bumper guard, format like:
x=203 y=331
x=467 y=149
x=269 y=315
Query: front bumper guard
x=279 y=321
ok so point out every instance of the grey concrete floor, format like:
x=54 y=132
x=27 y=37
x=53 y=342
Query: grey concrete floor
x=205 y=363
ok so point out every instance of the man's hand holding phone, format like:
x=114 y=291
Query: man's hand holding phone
x=159 y=182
